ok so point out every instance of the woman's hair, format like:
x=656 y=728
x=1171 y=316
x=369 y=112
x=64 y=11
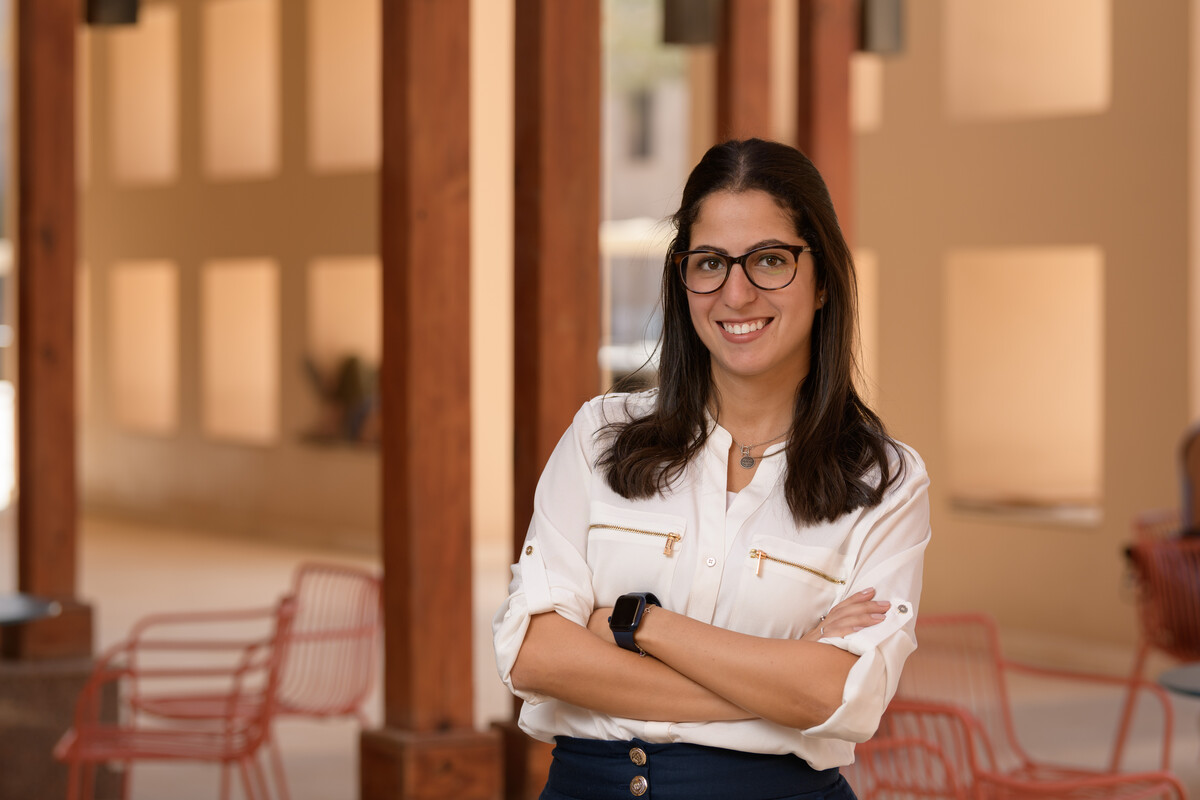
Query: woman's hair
x=837 y=450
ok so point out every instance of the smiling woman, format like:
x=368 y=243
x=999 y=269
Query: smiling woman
x=757 y=320
x=719 y=585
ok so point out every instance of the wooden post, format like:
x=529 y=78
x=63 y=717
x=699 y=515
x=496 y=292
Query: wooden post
x=744 y=70
x=46 y=274
x=556 y=264
x=826 y=41
x=428 y=747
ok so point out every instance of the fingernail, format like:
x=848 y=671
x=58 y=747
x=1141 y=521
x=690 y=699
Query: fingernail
x=878 y=616
x=857 y=628
x=867 y=592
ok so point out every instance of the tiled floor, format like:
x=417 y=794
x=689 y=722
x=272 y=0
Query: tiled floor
x=128 y=570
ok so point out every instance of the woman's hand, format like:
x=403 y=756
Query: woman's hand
x=598 y=624
x=856 y=612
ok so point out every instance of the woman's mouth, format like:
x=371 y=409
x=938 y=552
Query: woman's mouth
x=743 y=327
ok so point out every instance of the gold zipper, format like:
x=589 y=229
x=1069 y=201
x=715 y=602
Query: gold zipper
x=761 y=555
x=671 y=537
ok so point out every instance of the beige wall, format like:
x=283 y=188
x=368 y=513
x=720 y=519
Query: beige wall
x=1116 y=179
x=189 y=211
x=316 y=205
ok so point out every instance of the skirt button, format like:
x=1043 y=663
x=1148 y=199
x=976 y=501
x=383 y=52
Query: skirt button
x=638 y=756
x=639 y=786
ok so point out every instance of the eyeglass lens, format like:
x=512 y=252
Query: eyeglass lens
x=767 y=268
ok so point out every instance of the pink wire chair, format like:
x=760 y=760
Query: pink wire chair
x=240 y=673
x=329 y=669
x=1166 y=570
x=899 y=763
x=953 y=701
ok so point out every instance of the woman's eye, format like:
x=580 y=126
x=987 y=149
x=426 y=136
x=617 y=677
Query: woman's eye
x=711 y=264
x=771 y=261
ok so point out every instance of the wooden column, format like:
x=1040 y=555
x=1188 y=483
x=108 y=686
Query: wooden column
x=557 y=263
x=827 y=39
x=744 y=70
x=46 y=273
x=428 y=747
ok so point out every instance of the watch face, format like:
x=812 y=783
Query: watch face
x=624 y=611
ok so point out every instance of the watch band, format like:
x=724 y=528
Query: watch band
x=627 y=617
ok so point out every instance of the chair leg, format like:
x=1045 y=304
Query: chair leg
x=224 y=794
x=73 y=781
x=1139 y=665
x=254 y=782
x=280 y=777
x=88 y=789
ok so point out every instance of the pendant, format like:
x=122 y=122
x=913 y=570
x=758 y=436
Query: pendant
x=747 y=460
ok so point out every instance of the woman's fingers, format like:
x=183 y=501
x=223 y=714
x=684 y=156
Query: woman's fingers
x=858 y=611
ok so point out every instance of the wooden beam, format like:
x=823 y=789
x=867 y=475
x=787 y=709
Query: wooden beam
x=47 y=503
x=428 y=747
x=744 y=70
x=557 y=230
x=827 y=38
x=556 y=266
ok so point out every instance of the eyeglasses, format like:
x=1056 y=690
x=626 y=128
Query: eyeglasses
x=768 y=268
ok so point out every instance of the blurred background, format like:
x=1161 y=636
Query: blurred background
x=1024 y=201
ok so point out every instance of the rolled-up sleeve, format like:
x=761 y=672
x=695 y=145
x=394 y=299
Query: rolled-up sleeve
x=552 y=573
x=891 y=558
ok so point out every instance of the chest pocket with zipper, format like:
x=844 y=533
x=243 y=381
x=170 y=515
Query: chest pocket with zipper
x=780 y=574
x=632 y=551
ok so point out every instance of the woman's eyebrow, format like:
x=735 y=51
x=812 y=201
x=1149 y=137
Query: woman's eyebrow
x=712 y=248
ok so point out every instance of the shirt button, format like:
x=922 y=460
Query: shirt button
x=712 y=562
x=529 y=550
x=903 y=609
x=638 y=756
x=639 y=786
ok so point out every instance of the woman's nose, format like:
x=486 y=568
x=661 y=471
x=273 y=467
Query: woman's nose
x=738 y=290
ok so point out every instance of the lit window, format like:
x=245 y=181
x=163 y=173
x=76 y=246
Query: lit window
x=143 y=85
x=1024 y=376
x=1009 y=59
x=239 y=333
x=241 y=88
x=143 y=322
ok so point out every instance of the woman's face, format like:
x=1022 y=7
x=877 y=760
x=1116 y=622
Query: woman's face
x=777 y=324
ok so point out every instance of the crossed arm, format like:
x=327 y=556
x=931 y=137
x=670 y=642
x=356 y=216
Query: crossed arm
x=695 y=672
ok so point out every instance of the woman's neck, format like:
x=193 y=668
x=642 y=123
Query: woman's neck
x=753 y=411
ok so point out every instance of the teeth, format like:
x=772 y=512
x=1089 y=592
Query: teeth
x=743 y=327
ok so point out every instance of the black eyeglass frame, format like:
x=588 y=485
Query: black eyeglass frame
x=794 y=249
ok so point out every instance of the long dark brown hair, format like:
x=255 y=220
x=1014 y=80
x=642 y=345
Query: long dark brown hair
x=837 y=451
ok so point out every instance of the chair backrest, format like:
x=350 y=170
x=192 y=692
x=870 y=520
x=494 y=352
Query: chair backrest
x=1167 y=571
x=329 y=668
x=958 y=662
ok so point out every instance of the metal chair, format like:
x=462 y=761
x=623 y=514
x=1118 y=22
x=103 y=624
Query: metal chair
x=240 y=673
x=953 y=701
x=1166 y=572
x=899 y=763
x=329 y=667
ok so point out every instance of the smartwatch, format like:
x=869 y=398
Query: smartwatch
x=627 y=615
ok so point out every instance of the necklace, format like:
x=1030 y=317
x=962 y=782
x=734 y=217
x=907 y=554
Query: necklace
x=747 y=460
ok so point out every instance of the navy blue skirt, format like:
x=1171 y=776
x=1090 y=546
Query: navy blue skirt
x=587 y=769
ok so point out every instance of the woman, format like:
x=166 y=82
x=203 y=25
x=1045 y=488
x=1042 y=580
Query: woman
x=718 y=587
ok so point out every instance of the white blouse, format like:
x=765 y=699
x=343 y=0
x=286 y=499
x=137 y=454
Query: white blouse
x=747 y=567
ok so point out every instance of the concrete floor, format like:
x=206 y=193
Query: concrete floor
x=129 y=570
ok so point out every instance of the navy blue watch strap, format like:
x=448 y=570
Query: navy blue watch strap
x=627 y=616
